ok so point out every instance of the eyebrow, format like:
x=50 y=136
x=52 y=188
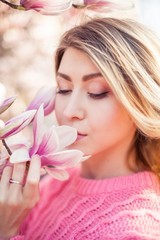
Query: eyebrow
x=84 y=78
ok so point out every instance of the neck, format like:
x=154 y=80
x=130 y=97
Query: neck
x=109 y=165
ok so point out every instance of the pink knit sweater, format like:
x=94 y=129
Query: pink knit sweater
x=119 y=208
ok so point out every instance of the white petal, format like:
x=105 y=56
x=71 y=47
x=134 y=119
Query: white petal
x=57 y=173
x=85 y=158
x=2 y=124
x=20 y=155
x=67 y=135
x=43 y=172
x=63 y=159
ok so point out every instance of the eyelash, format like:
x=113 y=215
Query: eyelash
x=99 y=95
x=91 y=95
x=63 y=92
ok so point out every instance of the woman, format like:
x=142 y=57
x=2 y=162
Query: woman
x=108 y=88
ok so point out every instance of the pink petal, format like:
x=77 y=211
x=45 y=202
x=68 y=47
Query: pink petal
x=66 y=134
x=37 y=130
x=57 y=173
x=6 y=104
x=97 y=2
x=20 y=155
x=107 y=6
x=63 y=159
x=25 y=116
x=31 y=4
x=50 y=142
x=7 y=130
x=16 y=124
x=45 y=96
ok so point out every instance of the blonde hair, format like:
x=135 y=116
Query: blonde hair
x=128 y=56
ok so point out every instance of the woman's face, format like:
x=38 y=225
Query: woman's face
x=85 y=101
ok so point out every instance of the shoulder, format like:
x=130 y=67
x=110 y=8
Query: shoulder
x=141 y=196
x=135 y=211
x=131 y=210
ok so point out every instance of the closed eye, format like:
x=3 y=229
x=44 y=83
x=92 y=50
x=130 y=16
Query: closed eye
x=98 y=95
x=91 y=95
x=63 y=92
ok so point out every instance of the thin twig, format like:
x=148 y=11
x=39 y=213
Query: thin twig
x=78 y=6
x=10 y=4
x=6 y=146
x=15 y=6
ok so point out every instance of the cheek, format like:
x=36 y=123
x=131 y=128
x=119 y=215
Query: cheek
x=59 y=107
x=111 y=118
x=102 y=122
x=104 y=116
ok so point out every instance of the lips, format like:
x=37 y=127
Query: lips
x=80 y=136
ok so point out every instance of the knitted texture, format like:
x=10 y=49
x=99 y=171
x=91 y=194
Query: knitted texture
x=126 y=207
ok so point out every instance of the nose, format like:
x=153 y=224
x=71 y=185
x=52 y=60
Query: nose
x=74 y=108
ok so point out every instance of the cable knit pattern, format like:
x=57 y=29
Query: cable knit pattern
x=126 y=207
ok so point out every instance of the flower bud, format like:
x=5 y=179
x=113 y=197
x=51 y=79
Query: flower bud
x=47 y=7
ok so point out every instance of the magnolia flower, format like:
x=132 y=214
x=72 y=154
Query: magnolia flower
x=51 y=145
x=16 y=124
x=45 y=96
x=54 y=7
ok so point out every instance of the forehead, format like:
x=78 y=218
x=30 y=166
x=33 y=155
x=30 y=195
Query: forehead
x=77 y=66
x=76 y=60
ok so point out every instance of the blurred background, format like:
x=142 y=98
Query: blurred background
x=28 y=41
